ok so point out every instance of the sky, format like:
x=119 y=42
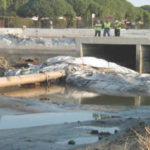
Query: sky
x=139 y=2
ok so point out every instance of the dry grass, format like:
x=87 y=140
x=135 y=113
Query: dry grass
x=144 y=140
x=3 y=63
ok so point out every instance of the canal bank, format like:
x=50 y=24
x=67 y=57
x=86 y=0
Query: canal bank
x=131 y=51
x=26 y=123
x=34 y=125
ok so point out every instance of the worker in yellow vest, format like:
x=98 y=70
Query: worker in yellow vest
x=117 y=27
x=106 y=27
x=98 y=27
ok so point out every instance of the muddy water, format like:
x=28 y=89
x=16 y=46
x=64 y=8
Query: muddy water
x=56 y=127
x=67 y=95
x=41 y=119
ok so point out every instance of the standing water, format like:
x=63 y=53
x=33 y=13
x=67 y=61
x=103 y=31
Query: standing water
x=63 y=94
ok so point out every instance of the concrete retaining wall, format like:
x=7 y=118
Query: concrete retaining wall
x=136 y=41
x=36 y=32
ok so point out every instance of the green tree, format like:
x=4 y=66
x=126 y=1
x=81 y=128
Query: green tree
x=45 y=8
x=2 y=6
x=13 y=5
x=79 y=6
x=146 y=7
x=40 y=8
x=146 y=19
x=115 y=9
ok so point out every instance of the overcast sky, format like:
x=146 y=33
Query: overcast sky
x=140 y=2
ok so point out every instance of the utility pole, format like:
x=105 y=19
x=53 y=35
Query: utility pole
x=93 y=16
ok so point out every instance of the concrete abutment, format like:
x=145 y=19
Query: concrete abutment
x=130 y=53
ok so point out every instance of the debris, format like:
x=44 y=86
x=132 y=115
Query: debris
x=104 y=134
x=25 y=62
x=95 y=116
x=71 y=142
x=3 y=65
x=104 y=116
x=90 y=73
x=94 y=132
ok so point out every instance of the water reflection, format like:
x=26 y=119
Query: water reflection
x=34 y=91
x=41 y=119
x=63 y=94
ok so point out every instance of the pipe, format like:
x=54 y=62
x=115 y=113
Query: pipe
x=31 y=78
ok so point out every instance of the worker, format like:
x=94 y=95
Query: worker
x=117 y=27
x=98 y=27
x=106 y=27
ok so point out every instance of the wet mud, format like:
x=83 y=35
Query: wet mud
x=59 y=117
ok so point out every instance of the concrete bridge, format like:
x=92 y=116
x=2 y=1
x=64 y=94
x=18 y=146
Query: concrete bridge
x=131 y=50
x=133 y=53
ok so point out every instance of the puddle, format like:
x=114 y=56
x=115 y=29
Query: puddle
x=81 y=140
x=63 y=94
x=101 y=129
x=41 y=119
x=89 y=139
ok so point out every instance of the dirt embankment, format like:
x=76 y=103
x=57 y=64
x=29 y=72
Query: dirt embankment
x=4 y=65
x=126 y=139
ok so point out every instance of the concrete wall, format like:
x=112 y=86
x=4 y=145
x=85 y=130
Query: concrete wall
x=14 y=55
x=36 y=32
x=133 y=53
x=145 y=58
x=132 y=49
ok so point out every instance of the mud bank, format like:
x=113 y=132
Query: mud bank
x=36 y=125
x=105 y=134
x=32 y=124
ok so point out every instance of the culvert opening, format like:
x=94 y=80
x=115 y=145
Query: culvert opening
x=124 y=55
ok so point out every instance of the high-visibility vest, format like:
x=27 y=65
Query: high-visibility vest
x=98 y=27
x=107 y=25
x=118 y=26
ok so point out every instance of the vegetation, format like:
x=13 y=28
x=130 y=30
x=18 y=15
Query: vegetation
x=69 y=9
x=144 y=140
x=146 y=7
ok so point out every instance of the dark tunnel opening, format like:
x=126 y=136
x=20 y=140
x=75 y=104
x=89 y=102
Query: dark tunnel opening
x=124 y=55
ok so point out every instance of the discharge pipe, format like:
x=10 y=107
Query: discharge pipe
x=31 y=78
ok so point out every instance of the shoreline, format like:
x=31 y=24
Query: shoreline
x=57 y=136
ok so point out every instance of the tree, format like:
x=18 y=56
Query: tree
x=45 y=8
x=2 y=6
x=79 y=6
x=95 y=8
x=13 y=5
x=115 y=9
x=38 y=8
x=146 y=7
x=146 y=19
